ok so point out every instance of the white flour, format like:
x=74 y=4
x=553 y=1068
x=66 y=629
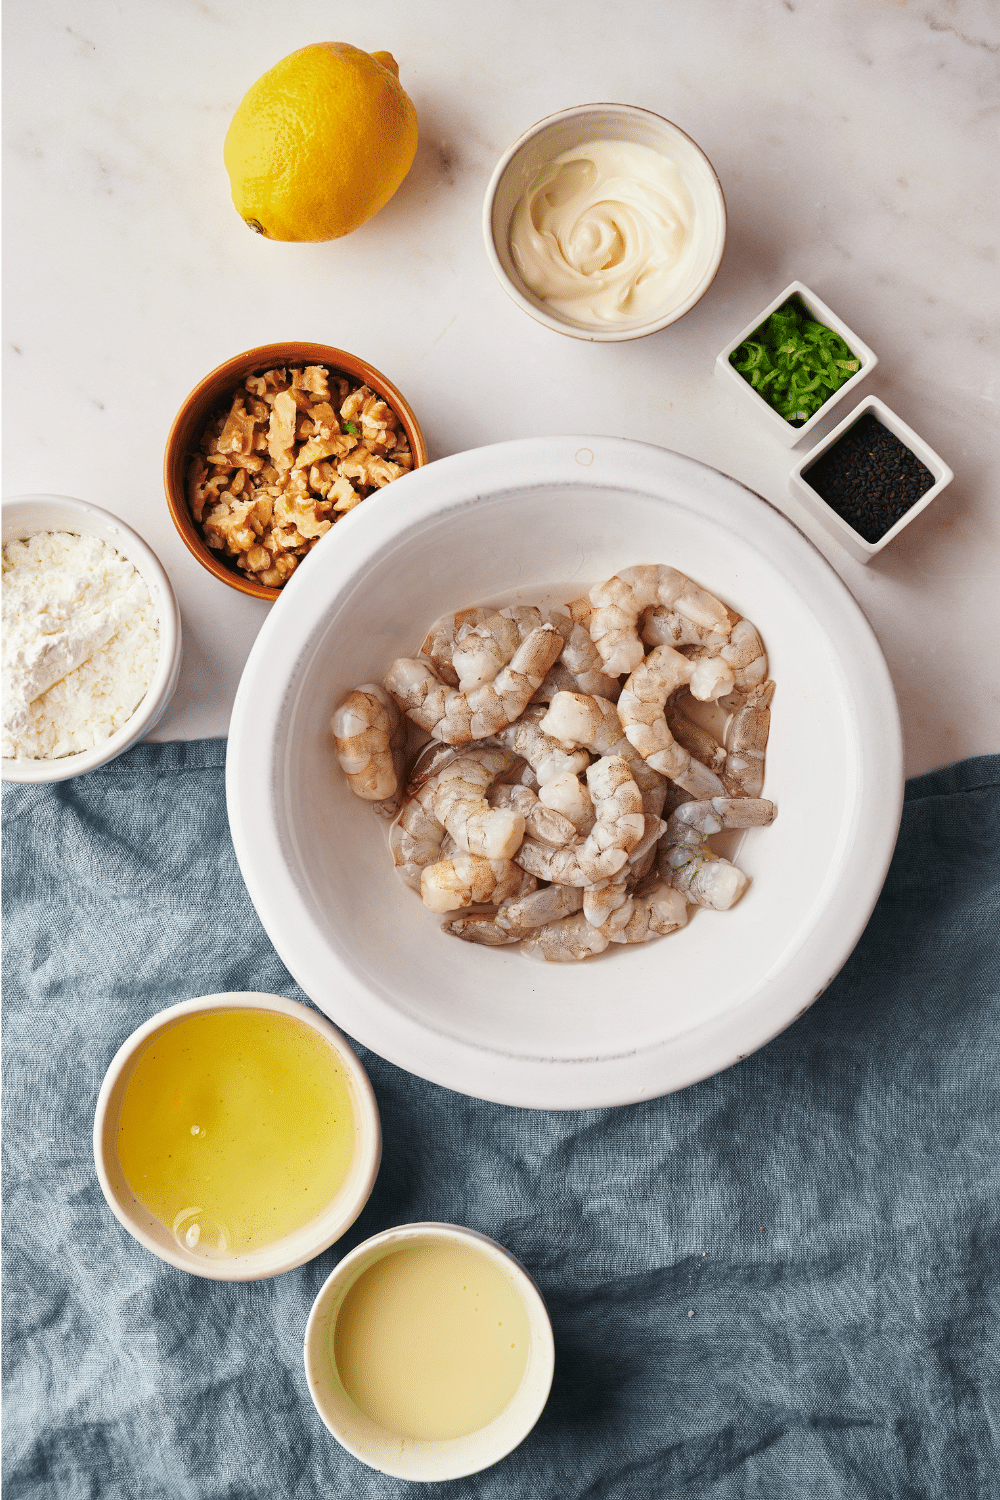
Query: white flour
x=80 y=644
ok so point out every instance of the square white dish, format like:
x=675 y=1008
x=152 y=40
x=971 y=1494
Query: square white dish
x=818 y=309
x=510 y=522
x=828 y=518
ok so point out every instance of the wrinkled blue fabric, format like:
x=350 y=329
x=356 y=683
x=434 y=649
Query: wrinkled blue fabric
x=781 y=1282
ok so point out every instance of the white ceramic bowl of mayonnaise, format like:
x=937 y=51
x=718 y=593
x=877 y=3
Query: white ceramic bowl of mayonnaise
x=26 y=515
x=605 y=222
x=429 y=1352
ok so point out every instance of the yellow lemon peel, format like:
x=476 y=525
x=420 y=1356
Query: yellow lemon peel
x=320 y=143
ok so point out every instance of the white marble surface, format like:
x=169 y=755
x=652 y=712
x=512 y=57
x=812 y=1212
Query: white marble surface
x=857 y=146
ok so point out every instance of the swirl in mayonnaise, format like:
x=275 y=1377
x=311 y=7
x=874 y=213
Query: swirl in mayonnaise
x=606 y=233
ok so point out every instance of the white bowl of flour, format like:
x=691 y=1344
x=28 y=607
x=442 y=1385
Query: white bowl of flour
x=92 y=638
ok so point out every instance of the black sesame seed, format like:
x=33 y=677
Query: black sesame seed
x=869 y=478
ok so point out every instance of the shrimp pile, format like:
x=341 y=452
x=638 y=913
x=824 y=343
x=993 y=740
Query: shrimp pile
x=563 y=792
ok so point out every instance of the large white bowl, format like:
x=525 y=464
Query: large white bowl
x=507 y=523
x=23 y=516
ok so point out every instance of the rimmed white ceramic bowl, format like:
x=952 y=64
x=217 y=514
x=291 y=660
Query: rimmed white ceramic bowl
x=570 y=128
x=285 y=1254
x=23 y=516
x=413 y=1458
x=548 y=517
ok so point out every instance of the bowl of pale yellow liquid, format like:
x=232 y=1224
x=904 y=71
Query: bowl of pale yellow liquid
x=429 y=1352
x=236 y=1136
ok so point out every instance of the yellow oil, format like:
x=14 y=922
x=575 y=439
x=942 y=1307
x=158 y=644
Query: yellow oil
x=432 y=1340
x=236 y=1129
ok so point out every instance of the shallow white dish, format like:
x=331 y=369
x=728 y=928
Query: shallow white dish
x=23 y=516
x=510 y=522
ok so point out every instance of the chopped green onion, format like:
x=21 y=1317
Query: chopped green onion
x=794 y=362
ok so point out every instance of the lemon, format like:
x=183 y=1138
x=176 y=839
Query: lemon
x=320 y=143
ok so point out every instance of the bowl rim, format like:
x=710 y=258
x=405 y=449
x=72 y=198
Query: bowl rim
x=783 y=429
x=199 y=402
x=559 y=325
x=256 y=787
x=541 y=1358
x=111 y=529
x=269 y=1260
x=842 y=530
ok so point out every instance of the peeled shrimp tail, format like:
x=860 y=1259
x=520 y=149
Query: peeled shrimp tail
x=618 y=603
x=693 y=738
x=365 y=730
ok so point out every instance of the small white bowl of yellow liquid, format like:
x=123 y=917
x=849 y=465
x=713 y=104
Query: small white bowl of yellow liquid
x=236 y=1136
x=429 y=1352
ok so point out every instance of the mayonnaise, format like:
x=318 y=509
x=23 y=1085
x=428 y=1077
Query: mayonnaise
x=606 y=233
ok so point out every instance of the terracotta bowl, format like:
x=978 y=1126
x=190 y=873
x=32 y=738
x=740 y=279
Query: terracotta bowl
x=209 y=395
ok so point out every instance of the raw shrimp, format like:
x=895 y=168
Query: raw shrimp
x=456 y=797
x=656 y=914
x=746 y=739
x=452 y=799
x=366 y=730
x=439 y=642
x=618 y=603
x=482 y=650
x=593 y=723
x=619 y=823
x=582 y=660
x=567 y=794
x=685 y=860
x=641 y=709
x=470 y=880
x=543 y=822
x=516 y=917
x=457 y=717
x=569 y=940
x=544 y=755
x=693 y=737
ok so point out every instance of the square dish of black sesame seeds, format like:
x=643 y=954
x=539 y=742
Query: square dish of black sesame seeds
x=869 y=477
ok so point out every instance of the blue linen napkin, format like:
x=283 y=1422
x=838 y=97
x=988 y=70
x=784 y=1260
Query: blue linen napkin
x=781 y=1282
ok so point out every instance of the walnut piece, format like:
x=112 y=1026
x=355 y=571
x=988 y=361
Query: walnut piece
x=296 y=450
